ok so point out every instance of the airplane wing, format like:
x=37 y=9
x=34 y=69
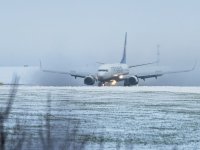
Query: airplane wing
x=80 y=75
x=58 y=72
x=143 y=64
x=161 y=73
x=72 y=73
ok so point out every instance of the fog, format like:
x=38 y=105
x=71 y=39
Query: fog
x=75 y=34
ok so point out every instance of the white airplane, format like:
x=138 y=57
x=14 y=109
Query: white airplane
x=110 y=74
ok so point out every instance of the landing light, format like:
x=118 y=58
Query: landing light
x=113 y=82
x=121 y=76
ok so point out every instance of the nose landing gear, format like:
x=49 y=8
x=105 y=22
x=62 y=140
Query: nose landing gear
x=110 y=83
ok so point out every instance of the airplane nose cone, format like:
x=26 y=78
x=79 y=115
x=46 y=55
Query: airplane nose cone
x=100 y=76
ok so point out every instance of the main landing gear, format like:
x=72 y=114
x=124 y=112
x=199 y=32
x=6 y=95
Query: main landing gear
x=101 y=84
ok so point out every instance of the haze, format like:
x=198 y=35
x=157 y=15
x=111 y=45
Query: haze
x=75 y=34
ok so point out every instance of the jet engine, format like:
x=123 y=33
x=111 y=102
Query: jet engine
x=89 y=80
x=131 y=81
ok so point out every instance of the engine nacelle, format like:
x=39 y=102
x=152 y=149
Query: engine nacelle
x=131 y=81
x=89 y=80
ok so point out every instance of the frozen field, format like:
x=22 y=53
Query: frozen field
x=109 y=117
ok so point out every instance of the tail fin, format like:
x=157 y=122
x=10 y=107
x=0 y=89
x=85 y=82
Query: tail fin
x=123 y=61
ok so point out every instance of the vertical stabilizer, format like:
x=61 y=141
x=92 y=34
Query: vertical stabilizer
x=123 y=61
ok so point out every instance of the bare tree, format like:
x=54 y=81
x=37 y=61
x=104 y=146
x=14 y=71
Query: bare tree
x=5 y=114
x=47 y=141
x=70 y=140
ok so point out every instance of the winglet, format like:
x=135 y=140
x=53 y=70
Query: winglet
x=158 y=54
x=123 y=61
x=195 y=64
x=40 y=65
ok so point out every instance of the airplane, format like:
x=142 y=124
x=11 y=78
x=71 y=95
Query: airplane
x=110 y=74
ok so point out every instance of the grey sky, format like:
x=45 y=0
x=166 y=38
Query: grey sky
x=74 y=33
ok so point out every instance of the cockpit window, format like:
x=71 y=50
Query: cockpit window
x=103 y=70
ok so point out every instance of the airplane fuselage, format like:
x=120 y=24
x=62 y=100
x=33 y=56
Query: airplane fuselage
x=108 y=72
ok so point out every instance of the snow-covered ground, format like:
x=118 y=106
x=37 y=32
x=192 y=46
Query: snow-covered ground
x=119 y=117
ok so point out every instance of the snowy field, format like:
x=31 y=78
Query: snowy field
x=108 y=117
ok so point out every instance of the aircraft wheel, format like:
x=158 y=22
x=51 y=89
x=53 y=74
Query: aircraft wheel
x=100 y=84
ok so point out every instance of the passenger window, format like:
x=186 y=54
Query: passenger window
x=103 y=70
